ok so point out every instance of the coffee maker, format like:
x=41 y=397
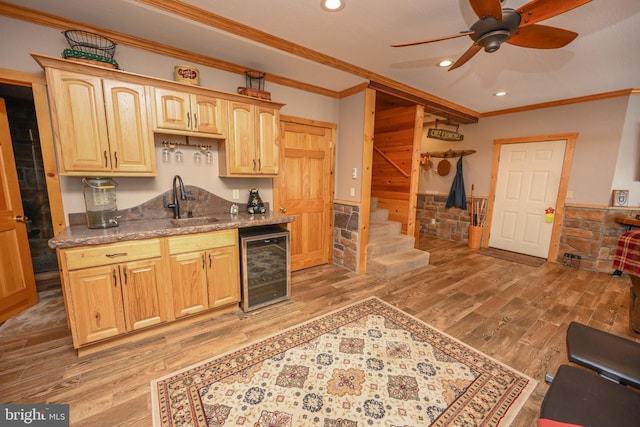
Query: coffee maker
x=100 y=202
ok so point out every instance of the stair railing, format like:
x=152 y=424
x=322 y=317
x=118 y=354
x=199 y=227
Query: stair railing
x=392 y=163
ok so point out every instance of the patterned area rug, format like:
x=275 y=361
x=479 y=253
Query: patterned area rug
x=368 y=364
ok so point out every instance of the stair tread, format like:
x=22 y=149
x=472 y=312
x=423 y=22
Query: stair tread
x=384 y=224
x=403 y=256
x=396 y=264
x=386 y=238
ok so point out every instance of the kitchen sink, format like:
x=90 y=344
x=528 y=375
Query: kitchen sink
x=192 y=222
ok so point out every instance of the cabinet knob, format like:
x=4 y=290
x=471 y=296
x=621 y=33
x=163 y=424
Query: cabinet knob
x=283 y=209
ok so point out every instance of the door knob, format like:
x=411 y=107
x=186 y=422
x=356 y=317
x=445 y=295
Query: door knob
x=20 y=218
x=283 y=209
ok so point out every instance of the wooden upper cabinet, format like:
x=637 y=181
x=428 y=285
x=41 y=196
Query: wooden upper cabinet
x=267 y=140
x=185 y=113
x=102 y=126
x=251 y=148
x=211 y=115
x=130 y=135
x=79 y=120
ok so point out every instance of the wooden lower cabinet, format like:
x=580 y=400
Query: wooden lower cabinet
x=204 y=271
x=96 y=297
x=114 y=289
x=189 y=279
x=223 y=276
x=141 y=285
x=111 y=300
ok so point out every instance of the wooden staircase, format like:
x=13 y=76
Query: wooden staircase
x=390 y=253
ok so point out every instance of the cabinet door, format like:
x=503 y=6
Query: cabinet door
x=96 y=304
x=140 y=283
x=130 y=136
x=224 y=276
x=79 y=119
x=240 y=146
x=172 y=110
x=209 y=115
x=267 y=140
x=189 y=283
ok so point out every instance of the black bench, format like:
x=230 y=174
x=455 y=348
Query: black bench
x=613 y=357
x=579 y=396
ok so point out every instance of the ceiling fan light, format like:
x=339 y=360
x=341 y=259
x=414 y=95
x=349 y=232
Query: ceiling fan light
x=501 y=93
x=332 y=5
x=445 y=63
x=493 y=40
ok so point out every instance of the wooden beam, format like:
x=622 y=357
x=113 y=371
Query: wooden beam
x=432 y=105
x=367 y=161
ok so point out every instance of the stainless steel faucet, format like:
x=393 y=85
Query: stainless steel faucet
x=184 y=195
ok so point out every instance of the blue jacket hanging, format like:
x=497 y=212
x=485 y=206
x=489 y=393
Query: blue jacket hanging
x=457 y=197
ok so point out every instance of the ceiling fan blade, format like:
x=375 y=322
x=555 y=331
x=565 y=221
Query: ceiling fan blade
x=542 y=37
x=539 y=10
x=454 y=36
x=487 y=8
x=475 y=48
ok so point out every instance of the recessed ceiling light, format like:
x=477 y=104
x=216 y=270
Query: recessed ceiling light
x=445 y=63
x=500 y=93
x=332 y=5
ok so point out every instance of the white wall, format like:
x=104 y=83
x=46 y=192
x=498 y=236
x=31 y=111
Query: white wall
x=27 y=38
x=627 y=173
x=607 y=129
x=349 y=148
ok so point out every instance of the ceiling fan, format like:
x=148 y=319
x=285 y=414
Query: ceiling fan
x=518 y=27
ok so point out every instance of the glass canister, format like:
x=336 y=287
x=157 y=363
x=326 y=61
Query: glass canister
x=100 y=202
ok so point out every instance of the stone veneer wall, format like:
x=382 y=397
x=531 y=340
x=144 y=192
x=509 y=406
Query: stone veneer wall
x=346 y=225
x=450 y=223
x=590 y=232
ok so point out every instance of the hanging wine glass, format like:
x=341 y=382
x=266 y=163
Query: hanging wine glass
x=209 y=155
x=197 y=157
x=166 y=153
x=179 y=155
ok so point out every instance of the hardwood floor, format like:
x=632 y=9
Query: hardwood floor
x=515 y=313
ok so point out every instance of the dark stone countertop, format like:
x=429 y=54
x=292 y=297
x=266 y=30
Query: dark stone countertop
x=81 y=235
x=152 y=219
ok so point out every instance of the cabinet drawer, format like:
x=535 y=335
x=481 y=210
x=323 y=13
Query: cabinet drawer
x=203 y=241
x=91 y=256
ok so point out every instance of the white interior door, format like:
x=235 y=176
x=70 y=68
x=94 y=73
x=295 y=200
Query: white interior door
x=527 y=184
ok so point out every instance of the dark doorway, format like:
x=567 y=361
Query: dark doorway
x=33 y=189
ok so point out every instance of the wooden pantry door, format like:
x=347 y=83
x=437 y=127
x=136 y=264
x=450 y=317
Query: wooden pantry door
x=17 y=282
x=304 y=188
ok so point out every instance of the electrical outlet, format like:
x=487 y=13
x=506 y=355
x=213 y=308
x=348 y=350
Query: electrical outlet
x=352 y=192
x=433 y=220
x=236 y=194
x=569 y=194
